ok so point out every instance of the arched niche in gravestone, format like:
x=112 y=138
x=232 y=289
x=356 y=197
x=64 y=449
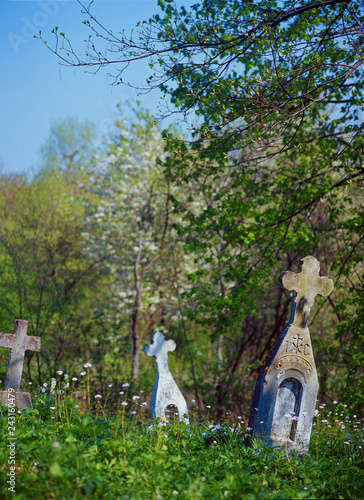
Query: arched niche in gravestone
x=171 y=412
x=287 y=408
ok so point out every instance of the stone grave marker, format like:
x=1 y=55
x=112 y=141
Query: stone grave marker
x=284 y=398
x=18 y=342
x=167 y=399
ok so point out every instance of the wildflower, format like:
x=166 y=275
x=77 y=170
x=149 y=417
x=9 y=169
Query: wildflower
x=208 y=406
x=52 y=407
x=65 y=376
x=175 y=492
x=77 y=406
x=121 y=392
x=135 y=398
x=239 y=417
x=74 y=379
x=45 y=384
x=66 y=385
x=60 y=392
x=193 y=401
x=348 y=436
x=334 y=402
x=98 y=396
x=265 y=467
x=133 y=412
x=345 y=406
x=30 y=383
x=249 y=428
x=87 y=365
x=56 y=445
x=83 y=373
x=346 y=442
x=59 y=372
x=294 y=418
x=316 y=412
x=141 y=391
x=42 y=389
x=125 y=385
x=109 y=385
x=144 y=403
x=124 y=403
x=262 y=422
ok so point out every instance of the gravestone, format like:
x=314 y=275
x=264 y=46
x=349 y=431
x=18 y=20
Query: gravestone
x=18 y=342
x=167 y=399
x=284 y=398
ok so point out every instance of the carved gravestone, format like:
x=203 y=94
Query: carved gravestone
x=18 y=342
x=166 y=397
x=284 y=398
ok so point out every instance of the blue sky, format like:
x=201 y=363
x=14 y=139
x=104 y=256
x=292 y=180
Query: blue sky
x=35 y=89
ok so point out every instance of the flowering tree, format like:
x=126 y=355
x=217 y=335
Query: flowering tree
x=128 y=229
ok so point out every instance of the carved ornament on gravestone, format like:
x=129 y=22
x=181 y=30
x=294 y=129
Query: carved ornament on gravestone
x=167 y=399
x=284 y=398
x=18 y=342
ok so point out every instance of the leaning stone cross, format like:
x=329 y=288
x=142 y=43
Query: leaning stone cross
x=306 y=284
x=284 y=398
x=166 y=393
x=18 y=342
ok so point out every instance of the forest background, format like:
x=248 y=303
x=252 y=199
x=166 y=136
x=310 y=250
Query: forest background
x=153 y=230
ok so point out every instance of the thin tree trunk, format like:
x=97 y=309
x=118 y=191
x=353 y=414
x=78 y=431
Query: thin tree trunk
x=135 y=318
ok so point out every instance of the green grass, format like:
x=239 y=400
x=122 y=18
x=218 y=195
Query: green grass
x=66 y=452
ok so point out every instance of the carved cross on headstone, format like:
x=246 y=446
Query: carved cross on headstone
x=284 y=398
x=18 y=342
x=165 y=391
x=306 y=284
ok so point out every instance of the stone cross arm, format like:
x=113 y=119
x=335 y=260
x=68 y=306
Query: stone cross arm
x=307 y=284
x=8 y=340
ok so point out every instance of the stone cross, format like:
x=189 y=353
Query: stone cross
x=18 y=342
x=306 y=284
x=165 y=391
x=284 y=398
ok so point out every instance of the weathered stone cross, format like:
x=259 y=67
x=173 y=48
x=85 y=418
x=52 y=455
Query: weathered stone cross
x=18 y=342
x=165 y=391
x=306 y=284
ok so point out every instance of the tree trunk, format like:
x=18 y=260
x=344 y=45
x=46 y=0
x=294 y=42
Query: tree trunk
x=135 y=318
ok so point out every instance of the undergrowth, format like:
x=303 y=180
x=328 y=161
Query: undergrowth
x=71 y=448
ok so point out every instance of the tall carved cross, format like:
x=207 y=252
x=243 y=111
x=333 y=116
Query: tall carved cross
x=160 y=348
x=18 y=342
x=306 y=284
